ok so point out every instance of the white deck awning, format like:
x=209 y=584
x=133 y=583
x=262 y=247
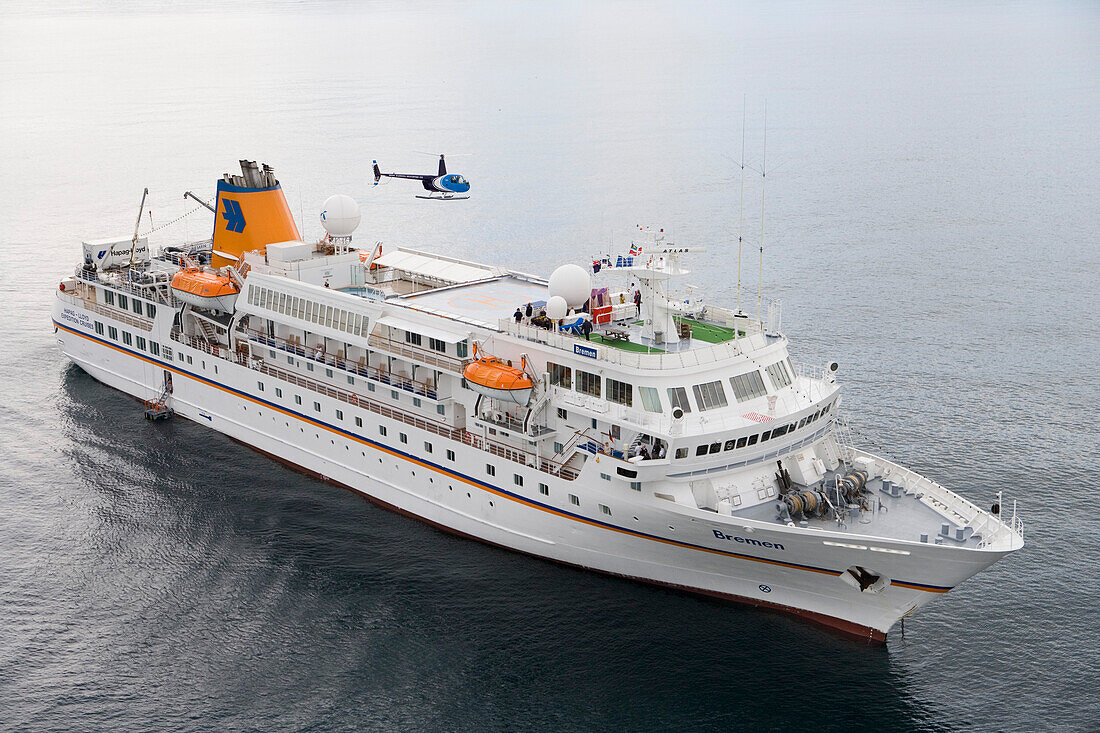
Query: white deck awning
x=436 y=268
x=405 y=324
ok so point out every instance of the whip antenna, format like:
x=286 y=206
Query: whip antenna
x=741 y=217
x=763 y=179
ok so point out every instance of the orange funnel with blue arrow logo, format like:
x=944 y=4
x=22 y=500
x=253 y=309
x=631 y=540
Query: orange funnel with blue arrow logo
x=251 y=213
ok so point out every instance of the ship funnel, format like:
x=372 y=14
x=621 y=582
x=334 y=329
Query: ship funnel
x=251 y=213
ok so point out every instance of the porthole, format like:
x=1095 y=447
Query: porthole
x=491 y=504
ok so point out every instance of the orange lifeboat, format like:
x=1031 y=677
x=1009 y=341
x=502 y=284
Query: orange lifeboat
x=491 y=377
x=205 y=289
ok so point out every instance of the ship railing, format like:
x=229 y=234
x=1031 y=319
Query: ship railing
x=422 y=355
x=497 y=448
x=423 y=388
x=996 y=530
x=158 y=290
x=87 y=302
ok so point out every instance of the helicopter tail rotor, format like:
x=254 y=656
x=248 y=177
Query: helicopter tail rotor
x=377 y=173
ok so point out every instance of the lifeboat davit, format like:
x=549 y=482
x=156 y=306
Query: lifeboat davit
x=205 y=289
x=491 y=377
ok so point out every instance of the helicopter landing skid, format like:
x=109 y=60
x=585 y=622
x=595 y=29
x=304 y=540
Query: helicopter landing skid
x=444 y=198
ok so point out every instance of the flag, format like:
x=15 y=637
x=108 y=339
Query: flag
x=635 y=249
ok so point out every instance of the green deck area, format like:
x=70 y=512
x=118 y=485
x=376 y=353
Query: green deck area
x=624 y=345
x=709 y=332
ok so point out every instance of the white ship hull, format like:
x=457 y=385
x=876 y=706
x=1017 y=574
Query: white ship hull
x=765 y=564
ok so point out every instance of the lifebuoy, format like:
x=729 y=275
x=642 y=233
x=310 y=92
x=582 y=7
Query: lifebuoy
x=62 y=286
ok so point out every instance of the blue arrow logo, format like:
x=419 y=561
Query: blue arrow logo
x=234 y=218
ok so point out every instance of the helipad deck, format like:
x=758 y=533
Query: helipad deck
x=480 y=303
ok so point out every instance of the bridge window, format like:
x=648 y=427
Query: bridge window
x=588 y=383
x=778 y=373
x=651 y=399
x=560 y=375
x=678 y=397
x=620 y=392
x=710 y=395
x=748 y=386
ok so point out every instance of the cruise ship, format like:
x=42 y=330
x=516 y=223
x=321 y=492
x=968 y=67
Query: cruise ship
x=596 y=417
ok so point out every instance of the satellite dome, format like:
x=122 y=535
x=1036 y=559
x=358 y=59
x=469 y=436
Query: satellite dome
x=340 y=215
x=572 y=283
x=556 y=307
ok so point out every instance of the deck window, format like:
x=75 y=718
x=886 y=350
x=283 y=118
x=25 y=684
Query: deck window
x=108 y=297
x=123 y=301
x=651 y=399
x=99 y=328
x=748 y=386
x=517 y=479
x=413 y=338
x=715 y=447
x=437 y=345
x=741 y=441
x=620 y=392
x=450 y=455
x=678 y=397
x=150 y=310
x=779 y=375
x=127 y=338
x=155 y=348
x=681 y=452
x=560 y=375
x=490 y=469
x=710 y=396
x=544 y=489
x=137 y=306
x=753 y=439
x=701 y=450
x=588 y=383
x=730 y=444
x=574 y=500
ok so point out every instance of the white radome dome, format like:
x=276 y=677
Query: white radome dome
x=340 y=215
x=572 y=283
x=556 y=307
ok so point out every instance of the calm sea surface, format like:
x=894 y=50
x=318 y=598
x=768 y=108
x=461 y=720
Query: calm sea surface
x=931 y=223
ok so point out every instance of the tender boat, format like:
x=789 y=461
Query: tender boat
x=489 y=376
x=202 y=289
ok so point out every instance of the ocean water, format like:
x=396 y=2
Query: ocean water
x=931 y=221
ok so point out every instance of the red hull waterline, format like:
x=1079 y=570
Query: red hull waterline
x=839 y=626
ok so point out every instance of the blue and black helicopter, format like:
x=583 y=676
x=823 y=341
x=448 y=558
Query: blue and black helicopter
x=442 y=186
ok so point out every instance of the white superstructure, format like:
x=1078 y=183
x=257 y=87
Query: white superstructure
x=676 y=443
